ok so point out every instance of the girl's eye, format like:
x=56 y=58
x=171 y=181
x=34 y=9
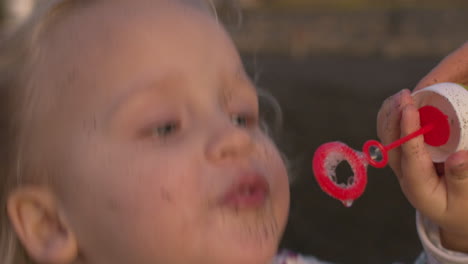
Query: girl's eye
x=242 y=120
x=166 y=129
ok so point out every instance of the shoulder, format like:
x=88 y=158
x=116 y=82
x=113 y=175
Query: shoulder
x=288 y=257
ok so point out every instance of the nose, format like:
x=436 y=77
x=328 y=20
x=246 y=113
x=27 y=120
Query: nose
x=230 y=143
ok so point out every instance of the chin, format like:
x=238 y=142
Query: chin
x=252 y=251
x=232 y=249
x=247 y=237
x=251 y=256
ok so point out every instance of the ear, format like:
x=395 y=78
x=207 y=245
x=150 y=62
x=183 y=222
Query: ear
x=40 y=226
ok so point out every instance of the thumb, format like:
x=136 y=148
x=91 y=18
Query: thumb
x=456 y=174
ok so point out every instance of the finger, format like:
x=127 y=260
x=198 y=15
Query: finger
x=453 y=68
x=388 y=117
x=418 y=179
x=388 y=124
x=456 y=176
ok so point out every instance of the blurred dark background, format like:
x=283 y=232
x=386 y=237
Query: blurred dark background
x=330 y=64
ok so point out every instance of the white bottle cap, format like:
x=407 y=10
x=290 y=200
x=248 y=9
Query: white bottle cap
x=452 y=100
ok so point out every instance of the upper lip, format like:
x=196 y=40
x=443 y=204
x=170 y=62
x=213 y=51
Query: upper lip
x=246 y=182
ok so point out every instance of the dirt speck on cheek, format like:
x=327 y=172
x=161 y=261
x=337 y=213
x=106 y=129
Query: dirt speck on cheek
x=113 y=205
x=166 y=195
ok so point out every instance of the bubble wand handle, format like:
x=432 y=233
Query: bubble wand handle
x=401 y=141
x=434 y=127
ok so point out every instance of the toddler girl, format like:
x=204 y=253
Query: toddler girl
x=130 y=134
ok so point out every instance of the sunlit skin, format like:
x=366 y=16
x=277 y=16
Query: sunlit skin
x=151 y=130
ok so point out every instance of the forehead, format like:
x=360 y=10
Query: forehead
x=107 y=44
x=134 y=28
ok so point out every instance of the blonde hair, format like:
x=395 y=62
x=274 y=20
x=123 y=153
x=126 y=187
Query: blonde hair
x=18 y=53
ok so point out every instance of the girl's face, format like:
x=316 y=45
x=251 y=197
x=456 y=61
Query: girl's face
x=152 y=129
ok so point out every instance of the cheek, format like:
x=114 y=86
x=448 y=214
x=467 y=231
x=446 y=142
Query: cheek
x=149 y=198
x=120 y=178
x=140 y=183
x=277 y=172
x=163 y=183
x=273 y=162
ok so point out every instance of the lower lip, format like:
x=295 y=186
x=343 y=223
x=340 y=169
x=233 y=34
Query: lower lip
x=252 y=200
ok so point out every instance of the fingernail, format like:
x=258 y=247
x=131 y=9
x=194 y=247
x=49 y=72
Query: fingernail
x=397 y=97
x=399 y=94
x=405 y=92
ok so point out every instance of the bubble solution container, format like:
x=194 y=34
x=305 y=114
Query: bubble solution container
x=452 y=100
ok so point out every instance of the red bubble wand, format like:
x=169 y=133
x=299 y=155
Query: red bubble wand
x=434 y=126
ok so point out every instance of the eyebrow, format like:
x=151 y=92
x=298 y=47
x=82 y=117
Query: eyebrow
x=167 y=82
